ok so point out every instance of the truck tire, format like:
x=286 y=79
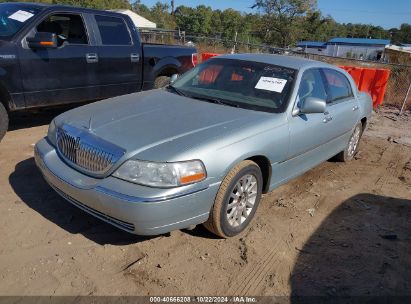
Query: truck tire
x=4 y=121
x=161 y=82
x=236 y=201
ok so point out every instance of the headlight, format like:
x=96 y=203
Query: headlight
x=162 y=175
x=51 y=133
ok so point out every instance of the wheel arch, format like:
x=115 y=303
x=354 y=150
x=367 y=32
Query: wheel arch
x=5 y=98
x=364 y=122
x=167 y=67
x=266 y=170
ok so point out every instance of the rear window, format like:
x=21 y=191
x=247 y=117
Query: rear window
x=113 y=30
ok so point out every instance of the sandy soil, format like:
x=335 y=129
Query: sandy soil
x=340 y=229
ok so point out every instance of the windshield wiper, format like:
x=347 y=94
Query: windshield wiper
x=174 y=89
x=216 y=101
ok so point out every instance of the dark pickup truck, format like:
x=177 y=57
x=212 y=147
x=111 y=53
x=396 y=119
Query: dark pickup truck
x=53 y=55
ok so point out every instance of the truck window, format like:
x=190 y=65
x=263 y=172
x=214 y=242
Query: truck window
x=113 y=30
x=68 y=28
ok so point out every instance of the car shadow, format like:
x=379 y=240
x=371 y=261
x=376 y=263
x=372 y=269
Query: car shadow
x=28 y=183
x=35 y=118
x=359 y=254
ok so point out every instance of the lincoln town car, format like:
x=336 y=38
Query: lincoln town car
x=206 y=147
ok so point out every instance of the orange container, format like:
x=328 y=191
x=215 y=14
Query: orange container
x=206 y=56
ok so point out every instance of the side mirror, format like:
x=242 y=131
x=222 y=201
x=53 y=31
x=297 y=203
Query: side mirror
x=313 y=105
x=42 y=40
x=173 y=78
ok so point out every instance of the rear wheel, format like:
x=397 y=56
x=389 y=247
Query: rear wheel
x=161 y=82
x=4 y=121
x=352 y=146
x=236 y=201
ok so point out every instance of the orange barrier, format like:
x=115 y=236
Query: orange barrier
x=372 y=81
x=206 y=56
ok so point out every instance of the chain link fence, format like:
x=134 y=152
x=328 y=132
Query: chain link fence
x=398 y=89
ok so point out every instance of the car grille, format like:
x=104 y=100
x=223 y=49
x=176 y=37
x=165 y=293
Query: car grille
x=87 y=151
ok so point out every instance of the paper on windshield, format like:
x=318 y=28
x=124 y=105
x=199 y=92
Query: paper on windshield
x=271 y=84
x=21 y=16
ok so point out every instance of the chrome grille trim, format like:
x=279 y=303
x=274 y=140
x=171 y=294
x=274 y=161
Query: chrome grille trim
x=86 y=151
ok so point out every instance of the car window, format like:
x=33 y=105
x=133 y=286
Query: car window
x=246 y=84
x=13 y=17
x=113 y=30
x=338 y=85
x=311 y=85
x=67 y=27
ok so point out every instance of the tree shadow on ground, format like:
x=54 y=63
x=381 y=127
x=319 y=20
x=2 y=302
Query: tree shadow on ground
x=361 y=253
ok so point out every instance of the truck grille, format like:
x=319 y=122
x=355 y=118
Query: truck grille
x=87 y=151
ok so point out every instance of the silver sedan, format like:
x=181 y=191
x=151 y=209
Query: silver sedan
x=205 y=148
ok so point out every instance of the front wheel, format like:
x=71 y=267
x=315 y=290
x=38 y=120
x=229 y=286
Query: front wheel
x=352 y=146
x=4 y=121
x=236 y=201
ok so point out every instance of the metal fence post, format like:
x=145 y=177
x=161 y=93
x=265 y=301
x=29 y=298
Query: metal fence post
x=405 y=99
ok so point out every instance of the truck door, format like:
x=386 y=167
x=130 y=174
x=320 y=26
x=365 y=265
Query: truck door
x=119 y=66
x=64 y=74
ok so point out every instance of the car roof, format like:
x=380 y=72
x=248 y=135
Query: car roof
x=43 y=6
x=292 y=62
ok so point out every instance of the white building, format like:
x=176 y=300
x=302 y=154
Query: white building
x=360 y=48
x=139 y=22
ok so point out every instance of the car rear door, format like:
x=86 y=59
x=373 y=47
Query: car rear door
x=342 y=106
x=119 y=66
x=59 y=75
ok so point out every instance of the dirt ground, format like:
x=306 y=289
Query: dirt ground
x=340 y=229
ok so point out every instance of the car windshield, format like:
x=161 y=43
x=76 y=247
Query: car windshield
x=13 y=17
x=245 y=84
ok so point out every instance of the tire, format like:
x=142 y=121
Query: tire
x=352 y=146
x=161 y=82
x=218 y=221
x=4 y=121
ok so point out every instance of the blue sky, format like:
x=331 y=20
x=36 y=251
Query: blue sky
x=385 y=13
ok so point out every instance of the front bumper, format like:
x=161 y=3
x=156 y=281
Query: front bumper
x=133 y=208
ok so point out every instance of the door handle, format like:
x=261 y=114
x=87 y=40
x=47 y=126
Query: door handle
x=355 y=108
x=91 y=58
x=327 y=119
x=135 y=57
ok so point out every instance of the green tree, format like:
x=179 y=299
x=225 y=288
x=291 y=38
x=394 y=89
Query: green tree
x=161 y=16
x=280 y=19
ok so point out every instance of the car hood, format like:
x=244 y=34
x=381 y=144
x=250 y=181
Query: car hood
x=141 y=121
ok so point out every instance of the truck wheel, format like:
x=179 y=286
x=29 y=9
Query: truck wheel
x=4 y=121
x=236 y=201
x=161 y=82
x=352 y=146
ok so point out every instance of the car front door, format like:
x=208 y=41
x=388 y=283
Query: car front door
x=342 y=107
x=64 y=74
x=119 y=57
x=309 y=133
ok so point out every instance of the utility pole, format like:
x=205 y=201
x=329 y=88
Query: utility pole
x=172 y=7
